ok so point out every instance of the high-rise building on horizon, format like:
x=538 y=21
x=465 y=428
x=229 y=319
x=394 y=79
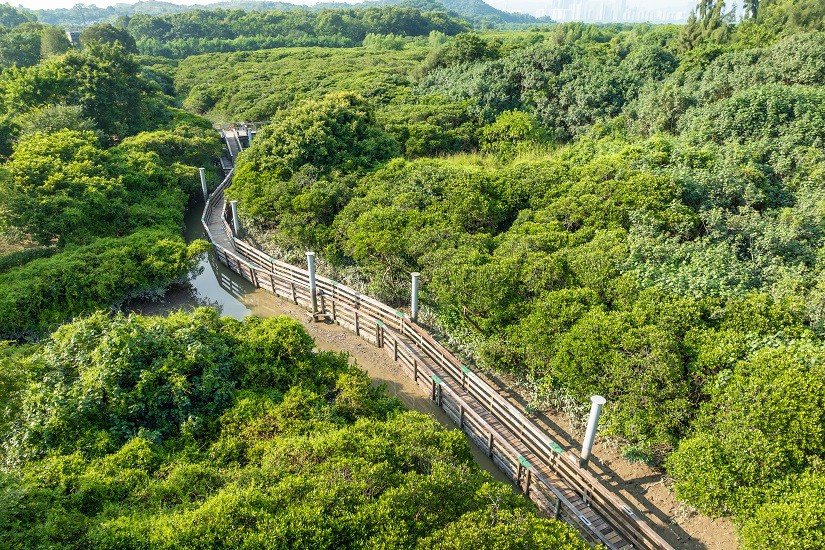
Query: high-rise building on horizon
x=612 y=11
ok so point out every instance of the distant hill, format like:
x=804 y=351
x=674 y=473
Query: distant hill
x=472 y=10
x=79 y=16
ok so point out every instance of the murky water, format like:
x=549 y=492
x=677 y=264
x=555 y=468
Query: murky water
x=216 y=286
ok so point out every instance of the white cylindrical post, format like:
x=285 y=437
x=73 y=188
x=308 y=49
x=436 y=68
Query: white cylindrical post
x=414 y=315
x=311 y=268
x=236 y=221
x=203 y=184
x=595 y=410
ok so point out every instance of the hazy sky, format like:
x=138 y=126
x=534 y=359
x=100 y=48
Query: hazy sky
x=509 y=5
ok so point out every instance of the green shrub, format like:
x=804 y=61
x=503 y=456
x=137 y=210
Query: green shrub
x=149 y=432
x=48 y=291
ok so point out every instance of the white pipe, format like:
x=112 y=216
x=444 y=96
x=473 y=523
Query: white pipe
x=415 y=277
x=203 y=184
x=595 y=410
x=311 y=268
x=236 y=221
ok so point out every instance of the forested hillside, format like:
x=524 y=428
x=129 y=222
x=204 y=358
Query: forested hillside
x=635 y=212
x=189 y=33
x=82 y=15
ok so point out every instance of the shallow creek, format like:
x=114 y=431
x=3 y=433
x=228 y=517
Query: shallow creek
x=216 y=286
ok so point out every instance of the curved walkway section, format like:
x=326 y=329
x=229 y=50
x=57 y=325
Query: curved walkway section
x=549 y=476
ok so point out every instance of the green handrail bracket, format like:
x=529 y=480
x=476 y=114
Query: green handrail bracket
x=380 y=324
x=556 y=448
x=524 y=462
x=466 y=369
x=437 y=380
x=399 y=313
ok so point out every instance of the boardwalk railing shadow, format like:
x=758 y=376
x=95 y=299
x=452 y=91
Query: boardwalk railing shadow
x=549 y=476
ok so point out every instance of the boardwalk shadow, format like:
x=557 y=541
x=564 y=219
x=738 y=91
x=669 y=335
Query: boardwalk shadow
x=630 y=492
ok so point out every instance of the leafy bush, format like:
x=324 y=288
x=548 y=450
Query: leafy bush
x=48 y=291
x=336 y=133
x=197 y=431
x=511 y=133
x=764 y=422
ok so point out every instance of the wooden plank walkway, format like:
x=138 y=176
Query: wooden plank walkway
x=548 y=476
x=510 y=434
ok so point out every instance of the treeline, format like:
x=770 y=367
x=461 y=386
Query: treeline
x=624 y=213
x=98 y=169
x=477 y=12
x=201 y=31
x=24 y=41
x=198 y=432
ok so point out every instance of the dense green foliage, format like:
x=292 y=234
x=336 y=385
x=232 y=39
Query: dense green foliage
x=643 y=219
x=289 y=74
x=44 y=292
x=195 y=32
x=194 y=431
x=296 y=167
x=23 y=41
x=635 y=211
x=478 y=12
x=100 y=169
x=108 y=34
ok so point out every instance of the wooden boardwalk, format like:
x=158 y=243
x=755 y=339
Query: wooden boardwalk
x=546 y=473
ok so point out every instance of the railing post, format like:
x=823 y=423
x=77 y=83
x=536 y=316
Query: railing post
x=527 y=483
x=311 y=268
x=414 y=306
x=202 y=172
x=595 y=410
x=490 y=446
x=236 y=221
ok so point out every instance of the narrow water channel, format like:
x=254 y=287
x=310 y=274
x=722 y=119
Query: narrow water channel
x=216 y=286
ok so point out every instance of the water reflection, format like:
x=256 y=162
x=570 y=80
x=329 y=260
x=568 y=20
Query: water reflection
x=214 y=285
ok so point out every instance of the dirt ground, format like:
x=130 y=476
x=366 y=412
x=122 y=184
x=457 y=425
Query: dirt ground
x=642 y=486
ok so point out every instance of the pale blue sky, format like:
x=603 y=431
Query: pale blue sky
x=529 y=6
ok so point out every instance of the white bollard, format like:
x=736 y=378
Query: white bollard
x=595 y=410
x=311 y=268
x=236 y=221
x=414 y=315
x=203 y=184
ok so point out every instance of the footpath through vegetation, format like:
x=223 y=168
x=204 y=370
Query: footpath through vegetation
x=627 y=210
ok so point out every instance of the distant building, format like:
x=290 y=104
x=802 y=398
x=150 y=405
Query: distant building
x=607 y=11
x=74 y=37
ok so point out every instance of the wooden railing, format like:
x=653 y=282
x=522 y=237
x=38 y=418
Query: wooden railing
x=391 y=329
